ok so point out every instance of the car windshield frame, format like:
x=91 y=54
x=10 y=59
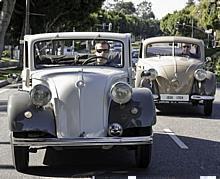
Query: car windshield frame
x=51 y=59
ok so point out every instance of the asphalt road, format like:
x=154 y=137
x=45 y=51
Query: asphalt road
x=186 y=145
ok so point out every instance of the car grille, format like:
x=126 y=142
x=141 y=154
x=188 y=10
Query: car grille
x=174 y=85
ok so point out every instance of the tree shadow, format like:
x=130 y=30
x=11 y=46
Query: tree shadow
x=201 y=159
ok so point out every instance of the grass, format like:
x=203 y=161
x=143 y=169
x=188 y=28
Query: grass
x=6 y=59
x=4 y=73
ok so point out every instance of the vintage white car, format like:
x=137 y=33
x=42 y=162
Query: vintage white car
x=71 y=100
x=174 y=68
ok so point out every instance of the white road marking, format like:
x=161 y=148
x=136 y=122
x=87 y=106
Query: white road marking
x=207 y=177
x=2 y=91
x=131 y=177
x=176 y=139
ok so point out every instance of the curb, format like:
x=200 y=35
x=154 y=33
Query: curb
x=8 y=64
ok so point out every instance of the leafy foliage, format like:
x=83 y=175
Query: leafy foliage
x=52 y=16
x=192 y=19
x=144 y=10
x=125 y=7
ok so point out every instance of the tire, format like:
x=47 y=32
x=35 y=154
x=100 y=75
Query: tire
x=20 y=157
x=143 y=155
x=208 y=107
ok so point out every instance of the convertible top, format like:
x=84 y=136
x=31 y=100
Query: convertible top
x=78 y=35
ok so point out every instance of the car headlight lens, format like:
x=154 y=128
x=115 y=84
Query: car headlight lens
x=40 y=95
x=121 y=93
x=200 y=74
x=150 y=74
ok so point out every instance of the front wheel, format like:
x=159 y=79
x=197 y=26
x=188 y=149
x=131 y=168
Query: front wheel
x=208 y=107
x=143 y=155
x=20 y=157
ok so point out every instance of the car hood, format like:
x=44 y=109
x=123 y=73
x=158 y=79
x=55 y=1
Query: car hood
x=175 y=74
x=80 y=98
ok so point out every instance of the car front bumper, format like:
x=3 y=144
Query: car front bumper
x=82 y=141
x=181 y=98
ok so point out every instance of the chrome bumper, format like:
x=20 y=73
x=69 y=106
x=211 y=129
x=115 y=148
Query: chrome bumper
x=193 y=97
x=82 y=141
x=198 y=97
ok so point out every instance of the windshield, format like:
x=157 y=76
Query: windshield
x=76 y=52
x=173 y=49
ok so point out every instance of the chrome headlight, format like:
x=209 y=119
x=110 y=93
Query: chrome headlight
x=150 y=74
x=40 y=95
x=200 y=74
x=121 y=92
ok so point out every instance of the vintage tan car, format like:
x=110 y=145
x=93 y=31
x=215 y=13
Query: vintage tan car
x=175 y=69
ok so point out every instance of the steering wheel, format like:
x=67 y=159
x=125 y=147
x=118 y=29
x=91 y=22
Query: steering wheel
x=94 y=59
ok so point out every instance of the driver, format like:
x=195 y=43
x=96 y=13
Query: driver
x=102 y=49
x=186 y=50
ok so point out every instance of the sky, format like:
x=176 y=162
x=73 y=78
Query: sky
x=161 y=7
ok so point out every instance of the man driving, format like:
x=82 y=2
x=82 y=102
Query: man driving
x=102 y=50
x=186 y=50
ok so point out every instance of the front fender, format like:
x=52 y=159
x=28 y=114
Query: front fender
x=142 y=100
x=210 y=84
x=42 y=119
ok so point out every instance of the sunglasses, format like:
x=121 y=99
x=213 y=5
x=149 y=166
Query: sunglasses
x=186 y=46
x=102 y=50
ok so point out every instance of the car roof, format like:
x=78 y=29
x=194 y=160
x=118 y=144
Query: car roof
x=173 y=39
x=78 y=35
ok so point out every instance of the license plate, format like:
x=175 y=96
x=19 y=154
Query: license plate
x=169 y=97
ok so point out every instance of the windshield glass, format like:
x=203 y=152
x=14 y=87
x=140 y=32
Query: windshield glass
x=173 y=49
x=75 y=52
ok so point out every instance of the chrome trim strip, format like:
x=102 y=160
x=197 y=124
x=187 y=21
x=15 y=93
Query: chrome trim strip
x=82 y=141
x=155 y=96
x=198 y=97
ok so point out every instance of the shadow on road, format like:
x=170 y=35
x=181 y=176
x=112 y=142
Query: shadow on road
x=168 y=160
x=187 y=110
x=86 y=162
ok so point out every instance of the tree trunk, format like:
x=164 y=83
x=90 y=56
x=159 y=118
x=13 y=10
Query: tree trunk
x=5 y=17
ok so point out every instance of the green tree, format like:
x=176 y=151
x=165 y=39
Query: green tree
x=144 y=10
x=125 y=7
x=5 y=16
x=186 y=22
x=52 y=16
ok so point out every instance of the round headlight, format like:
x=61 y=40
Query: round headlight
x=40 y=95
x=121 y=93
x=153 y=73
x=200 y=74
x=150 y=74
